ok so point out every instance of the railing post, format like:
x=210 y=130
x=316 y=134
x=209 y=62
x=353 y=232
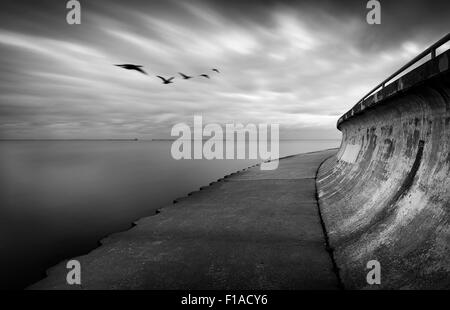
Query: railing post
x=433 y=53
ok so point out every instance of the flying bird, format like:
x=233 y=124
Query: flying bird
x=205 y=76
x=132 y=67
x=166 y=81
x=216 y=70
x=184 y=76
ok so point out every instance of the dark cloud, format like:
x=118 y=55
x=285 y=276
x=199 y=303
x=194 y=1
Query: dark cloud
x=297 y=63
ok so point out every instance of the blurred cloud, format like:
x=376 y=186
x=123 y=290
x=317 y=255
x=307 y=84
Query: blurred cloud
x=297 y=63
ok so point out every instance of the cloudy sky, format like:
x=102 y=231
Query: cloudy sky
x=297 y=63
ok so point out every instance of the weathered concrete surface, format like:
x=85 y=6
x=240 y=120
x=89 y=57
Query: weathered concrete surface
x=386 y=194
x=253 y=230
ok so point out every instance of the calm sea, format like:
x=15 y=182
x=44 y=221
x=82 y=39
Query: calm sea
x=58 y=198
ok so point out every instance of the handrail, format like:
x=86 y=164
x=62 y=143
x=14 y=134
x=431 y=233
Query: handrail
x=430 y=50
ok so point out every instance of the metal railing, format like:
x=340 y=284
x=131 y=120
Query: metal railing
x=429 y=51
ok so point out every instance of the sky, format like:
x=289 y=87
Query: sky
x=299 y=64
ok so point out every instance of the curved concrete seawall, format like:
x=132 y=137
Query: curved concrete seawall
x=385 y=196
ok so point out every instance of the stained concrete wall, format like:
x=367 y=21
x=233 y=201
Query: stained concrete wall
x=386 y=195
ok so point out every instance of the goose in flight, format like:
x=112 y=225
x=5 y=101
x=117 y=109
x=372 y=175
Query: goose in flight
x=205 y=76
x=132 y=67
x=184 y=76
x=166 y=81
x=216 y=70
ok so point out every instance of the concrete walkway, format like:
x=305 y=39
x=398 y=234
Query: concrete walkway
x=253 y=230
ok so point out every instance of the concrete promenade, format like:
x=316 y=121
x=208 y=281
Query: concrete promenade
x=251 y=230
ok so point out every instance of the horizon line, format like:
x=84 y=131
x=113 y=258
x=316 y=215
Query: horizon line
x=149 y=139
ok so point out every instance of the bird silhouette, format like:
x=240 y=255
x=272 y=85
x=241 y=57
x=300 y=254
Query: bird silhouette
x=166 y=81
x=205 y=76
x=132 y=67
x=184 y=76
x=216 y=70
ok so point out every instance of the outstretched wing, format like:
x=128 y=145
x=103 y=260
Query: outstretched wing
x=163 y=79
x=183 y=75
x=140 y=70
x=168 y=80
x=216 y=70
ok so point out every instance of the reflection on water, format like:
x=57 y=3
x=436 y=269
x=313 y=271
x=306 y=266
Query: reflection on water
x=58 y=198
